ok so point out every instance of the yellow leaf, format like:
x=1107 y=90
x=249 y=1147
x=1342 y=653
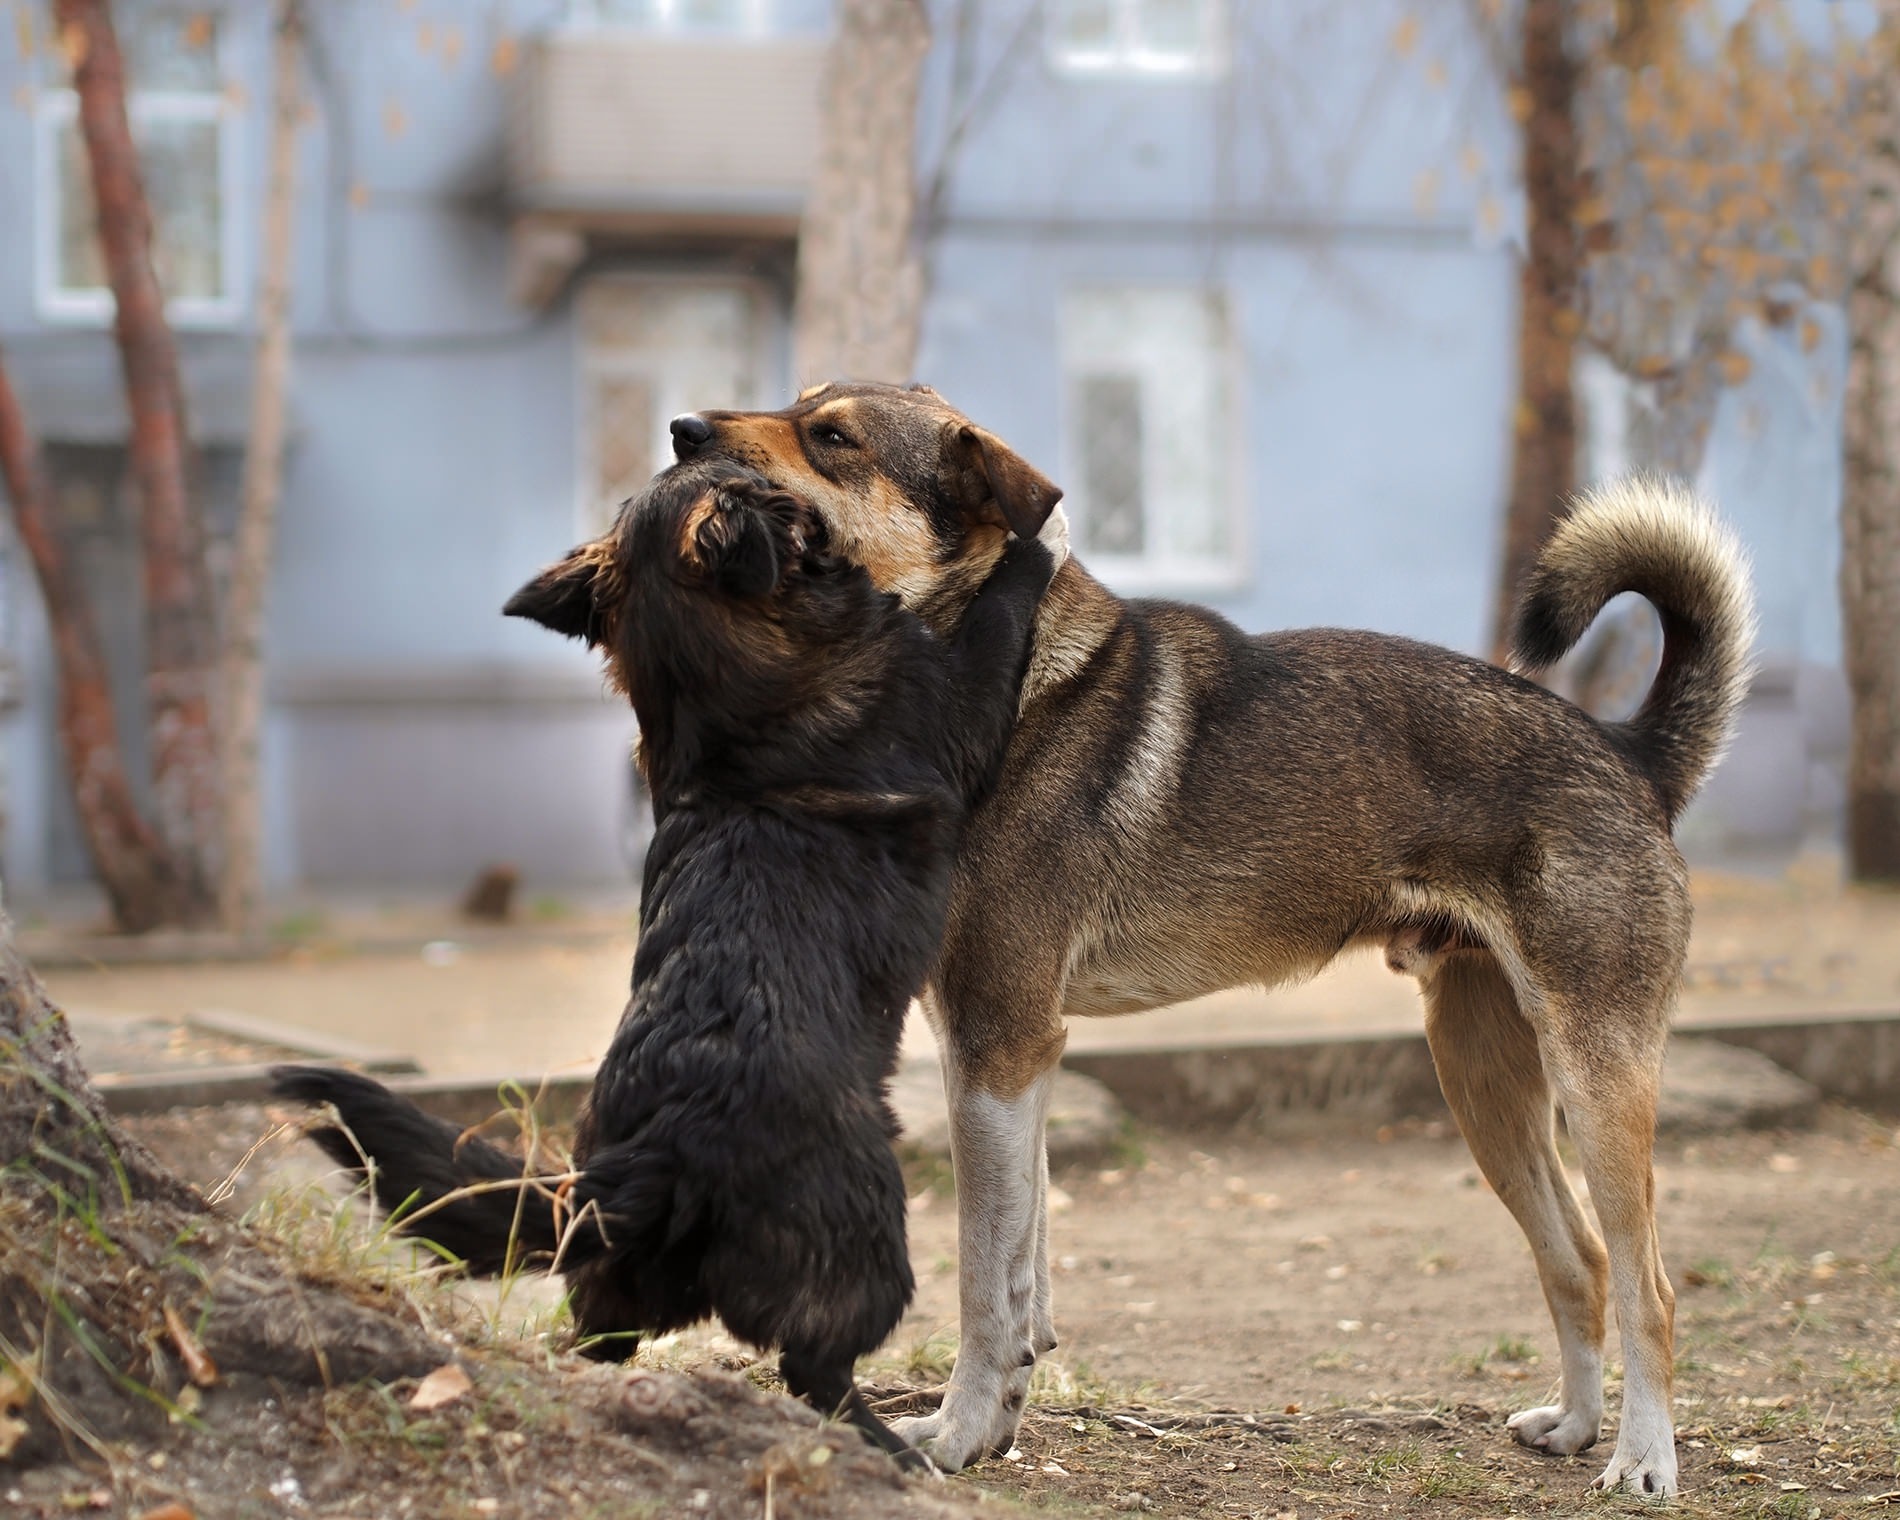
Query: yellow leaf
x=1735 y=367
x=503 y=57
x=443 y=1386
x=1405 y=35
x=1810 y=335
x=1519 y=101
x=198 y=30
x=451 y=45
x=23 y=27
x=16 y=1389
x=425 y=36
x=73 y=44
x=395 y=119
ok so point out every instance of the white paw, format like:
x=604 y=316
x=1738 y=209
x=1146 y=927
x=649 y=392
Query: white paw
x=948 y=1445
x=1054 y=535
x=1650 y=1471
x=1555 y=1429
x=952 y=1440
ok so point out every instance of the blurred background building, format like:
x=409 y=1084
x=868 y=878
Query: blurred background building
x=1242 y=277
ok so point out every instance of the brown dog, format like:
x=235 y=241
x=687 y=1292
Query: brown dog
x=1186 y=808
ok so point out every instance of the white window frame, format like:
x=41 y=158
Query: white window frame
x=59 y=107
x=1157 y=569
x=595 y=360
x=1126 y=57
x=586 y=15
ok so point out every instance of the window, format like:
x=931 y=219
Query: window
x=672 y=15
x=650 y=350
x=1147 y=434
x=181 y=122
x=1135 y=36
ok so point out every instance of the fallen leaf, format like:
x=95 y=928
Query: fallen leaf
x=198 y=1366
x=171 y=1511
x=15 y=1394
x=443 y=1386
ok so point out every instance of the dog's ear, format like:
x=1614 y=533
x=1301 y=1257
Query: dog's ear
x=562 y=597
x=741 y=536
x=1000 y=486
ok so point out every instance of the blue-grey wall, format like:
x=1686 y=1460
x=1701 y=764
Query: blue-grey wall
x=1347 y=179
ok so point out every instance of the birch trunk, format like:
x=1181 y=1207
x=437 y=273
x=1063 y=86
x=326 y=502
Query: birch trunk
x=860 y=277
x=180 y=625
x=257 y=510
x=1543 y=461
x=1870 y=518
x=138 y=876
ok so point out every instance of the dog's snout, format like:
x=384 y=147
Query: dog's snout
x=691 y=432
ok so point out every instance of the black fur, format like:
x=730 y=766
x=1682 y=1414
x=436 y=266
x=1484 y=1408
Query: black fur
x=813 y=751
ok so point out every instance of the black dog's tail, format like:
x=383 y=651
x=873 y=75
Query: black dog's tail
x=494 y=1219
x=1659 y=539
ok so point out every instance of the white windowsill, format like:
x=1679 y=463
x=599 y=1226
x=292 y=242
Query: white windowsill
x=1182 y=578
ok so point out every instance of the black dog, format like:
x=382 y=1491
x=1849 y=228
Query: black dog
x=812 y=751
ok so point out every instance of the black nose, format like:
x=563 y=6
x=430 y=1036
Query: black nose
x=690 y=433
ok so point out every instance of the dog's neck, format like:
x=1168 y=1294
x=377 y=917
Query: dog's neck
x=1077 y=615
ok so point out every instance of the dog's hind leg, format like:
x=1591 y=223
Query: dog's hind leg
x=1493 y=1078
x=824 y=1380
x=1608 y=1073
x=998 y=1150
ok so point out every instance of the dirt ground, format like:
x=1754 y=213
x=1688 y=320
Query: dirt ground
x=1334 y=1326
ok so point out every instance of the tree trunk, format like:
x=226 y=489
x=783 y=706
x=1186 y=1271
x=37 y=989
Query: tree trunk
x=257 y=508
x=117 y=1281
x=1543 y=463
x=180 y=622
x=134 y=867
x=1870 y=519
x=860 y=278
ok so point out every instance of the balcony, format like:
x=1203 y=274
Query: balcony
x=623 y=134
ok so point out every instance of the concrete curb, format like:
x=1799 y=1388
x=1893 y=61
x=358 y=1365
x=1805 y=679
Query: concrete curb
x=1379 y=1078
x=1376 y=1078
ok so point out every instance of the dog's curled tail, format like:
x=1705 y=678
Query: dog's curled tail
x=1658 y=538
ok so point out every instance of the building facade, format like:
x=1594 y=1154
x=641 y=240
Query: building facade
x=1240 y=274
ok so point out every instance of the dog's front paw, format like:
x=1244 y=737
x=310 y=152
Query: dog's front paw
x=1559 y=1431
x=951 y=1443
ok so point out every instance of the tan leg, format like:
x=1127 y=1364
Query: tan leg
x=1493 y=1078
x=1610 y=1106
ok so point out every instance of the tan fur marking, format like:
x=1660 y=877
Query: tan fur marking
x=1075 y=618
x=702 y=512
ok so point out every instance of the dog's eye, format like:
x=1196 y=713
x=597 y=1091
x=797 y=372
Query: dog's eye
x=827 y=433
